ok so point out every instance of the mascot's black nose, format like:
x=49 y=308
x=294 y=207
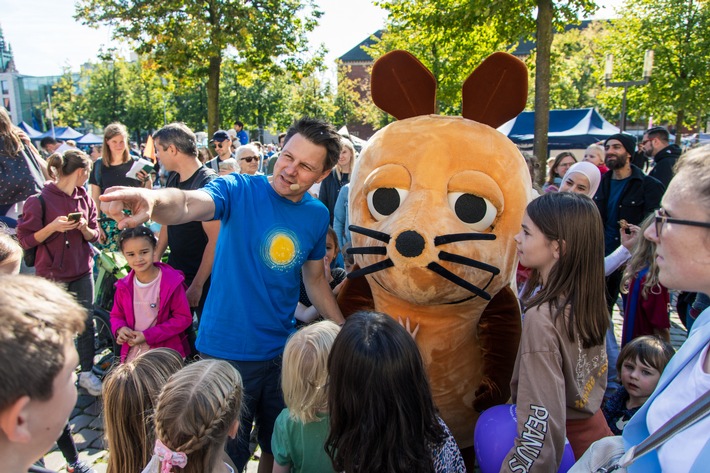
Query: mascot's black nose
x=410 y=244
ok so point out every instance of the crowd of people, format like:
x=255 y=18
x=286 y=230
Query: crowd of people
x=238 y=336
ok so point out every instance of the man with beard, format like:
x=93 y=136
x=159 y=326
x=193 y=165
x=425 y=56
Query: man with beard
x=625 y=193
x=655 y=145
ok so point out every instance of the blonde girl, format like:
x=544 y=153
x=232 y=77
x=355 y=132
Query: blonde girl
x=561 y=369
x=301 y=429
x=646 y=300
x=196 y=412
x=129 y=396
x=331 y=185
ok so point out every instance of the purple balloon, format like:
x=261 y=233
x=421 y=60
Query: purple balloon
x=495 y=434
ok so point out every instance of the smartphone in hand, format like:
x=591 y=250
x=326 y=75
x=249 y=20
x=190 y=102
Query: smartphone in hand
x=74 y=216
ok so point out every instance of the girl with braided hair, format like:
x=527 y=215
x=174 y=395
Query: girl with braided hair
x=197 y=410
x=130 y=393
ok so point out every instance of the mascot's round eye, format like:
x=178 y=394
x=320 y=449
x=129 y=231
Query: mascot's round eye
x=384 y=201
x=476 y=212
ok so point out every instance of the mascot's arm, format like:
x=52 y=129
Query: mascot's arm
x=499 y=336
x=355 y=295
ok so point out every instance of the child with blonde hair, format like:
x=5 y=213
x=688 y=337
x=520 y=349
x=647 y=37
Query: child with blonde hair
x=301 y=429
x=646 y=300
x=197 y=410
x=130 y=393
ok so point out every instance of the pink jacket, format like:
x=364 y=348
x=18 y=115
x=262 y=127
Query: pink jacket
x=174 y=315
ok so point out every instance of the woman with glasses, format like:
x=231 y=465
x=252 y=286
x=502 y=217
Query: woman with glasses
x=562 y=163
x=248 y=159
x=681 y=233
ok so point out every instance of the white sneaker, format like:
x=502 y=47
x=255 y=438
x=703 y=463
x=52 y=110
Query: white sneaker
x=90 y=382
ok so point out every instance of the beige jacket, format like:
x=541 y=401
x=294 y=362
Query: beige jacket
x=554 y=380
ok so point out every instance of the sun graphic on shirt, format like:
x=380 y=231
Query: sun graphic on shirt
x=280 y=249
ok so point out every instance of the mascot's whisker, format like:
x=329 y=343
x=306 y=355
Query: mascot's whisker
x=367 y=250
x=445 y=273
x=454 y=237
x=373 y=268
x=474 y=263
x=371 y=233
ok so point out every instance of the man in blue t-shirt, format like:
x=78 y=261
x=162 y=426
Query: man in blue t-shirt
x=271 y=232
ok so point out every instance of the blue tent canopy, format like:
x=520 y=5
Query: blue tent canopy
x=63 y=133
x=31 y=132
x=569 y=129
x=90 y=139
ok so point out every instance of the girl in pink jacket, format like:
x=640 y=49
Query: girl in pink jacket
x=150 y=308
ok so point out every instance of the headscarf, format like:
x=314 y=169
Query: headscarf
x=590 y=171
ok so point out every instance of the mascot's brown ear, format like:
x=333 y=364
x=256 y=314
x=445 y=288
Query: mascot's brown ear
x=402 y=86
x=496 y=91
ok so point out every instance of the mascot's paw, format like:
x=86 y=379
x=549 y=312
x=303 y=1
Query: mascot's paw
x=487 y=395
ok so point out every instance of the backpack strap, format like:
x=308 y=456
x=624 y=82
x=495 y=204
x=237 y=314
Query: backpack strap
x=41 y=203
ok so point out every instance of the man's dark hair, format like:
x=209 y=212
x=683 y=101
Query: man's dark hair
x=658 y=132
x=320 y=133
x=239 y=124
x=47 y=140
x=179 y=135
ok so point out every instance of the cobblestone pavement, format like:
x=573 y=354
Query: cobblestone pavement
x=87 y=420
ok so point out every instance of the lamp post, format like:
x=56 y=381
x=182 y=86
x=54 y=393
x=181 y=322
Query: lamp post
x=647 y=70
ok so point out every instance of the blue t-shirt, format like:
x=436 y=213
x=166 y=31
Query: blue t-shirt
x=263 y=242
x=611 y=229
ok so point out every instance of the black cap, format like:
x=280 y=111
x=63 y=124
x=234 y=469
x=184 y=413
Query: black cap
x=220 y=135
x=626 y=140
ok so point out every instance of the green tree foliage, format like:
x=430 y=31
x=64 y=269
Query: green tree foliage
x=452 y=36
x=107 y=91
x=677 y=31
x=353 y=103
x=68 y=103
x=184 y=35
x=576 y=68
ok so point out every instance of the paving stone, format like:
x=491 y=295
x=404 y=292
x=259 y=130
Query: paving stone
x=84 y=400
x=97 y=423
x=79 y=422
x=99 y=443
x=75 y=412
x=54 y=461
x=85 y=437
x=94 y=409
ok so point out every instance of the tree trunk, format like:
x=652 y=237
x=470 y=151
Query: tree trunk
x=680 y=116
x=542 y=82
x=213 y=95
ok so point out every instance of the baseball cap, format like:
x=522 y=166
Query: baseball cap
x=220 y=135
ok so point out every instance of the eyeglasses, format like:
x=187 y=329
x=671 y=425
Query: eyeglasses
x=218 y=144
x=662 y=218
x=249 y=159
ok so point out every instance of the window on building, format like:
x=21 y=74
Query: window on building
x=5 y=87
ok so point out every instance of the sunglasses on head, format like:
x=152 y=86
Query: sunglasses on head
x=249 y=159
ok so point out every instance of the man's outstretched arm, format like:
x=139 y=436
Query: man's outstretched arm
x=165 y=206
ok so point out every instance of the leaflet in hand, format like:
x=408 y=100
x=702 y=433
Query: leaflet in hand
x=140 y=165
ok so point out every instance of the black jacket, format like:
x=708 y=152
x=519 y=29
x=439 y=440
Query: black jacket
x=641 y=196
x=664 y=162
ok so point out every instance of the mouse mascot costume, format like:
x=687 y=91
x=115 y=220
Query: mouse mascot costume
x=435 y=202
